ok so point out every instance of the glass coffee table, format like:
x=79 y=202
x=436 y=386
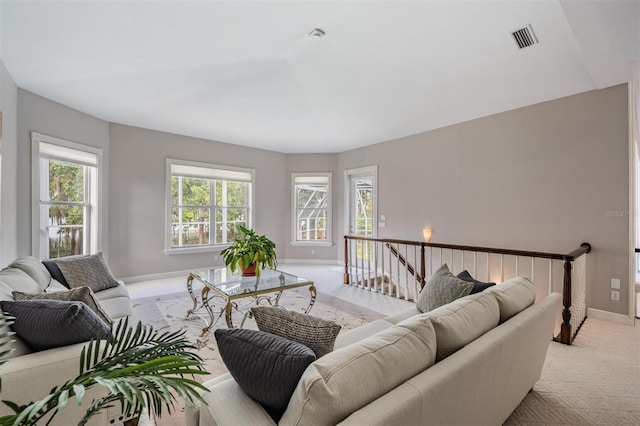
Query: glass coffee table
x=228 y=288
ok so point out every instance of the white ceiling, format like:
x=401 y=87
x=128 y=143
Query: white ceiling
x=247 y=73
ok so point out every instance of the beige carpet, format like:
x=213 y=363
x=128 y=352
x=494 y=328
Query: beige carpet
x=596 y=381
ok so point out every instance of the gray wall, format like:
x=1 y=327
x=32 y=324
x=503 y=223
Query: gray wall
x=8 y=168
x=41 y=115
x=307 y=163
x=137 y=199
x=537 y=178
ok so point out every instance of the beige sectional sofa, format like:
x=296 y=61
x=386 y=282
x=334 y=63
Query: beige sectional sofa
x=29 y=375
x=471 y=362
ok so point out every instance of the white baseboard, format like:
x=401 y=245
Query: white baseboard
x=610 y=316
x=312 y=261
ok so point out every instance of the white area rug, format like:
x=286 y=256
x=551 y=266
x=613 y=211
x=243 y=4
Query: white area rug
x=169 y=312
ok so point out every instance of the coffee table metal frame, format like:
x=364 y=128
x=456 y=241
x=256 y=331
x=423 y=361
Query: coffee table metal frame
x=250 y=287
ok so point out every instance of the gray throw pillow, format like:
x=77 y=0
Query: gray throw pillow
x=316 y=333
x=443 y=287
x=265 y=366
x=91 y=271
x=80 y=294
x=46 y=324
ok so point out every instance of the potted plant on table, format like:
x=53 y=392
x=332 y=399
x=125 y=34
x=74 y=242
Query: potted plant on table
x=251 y=253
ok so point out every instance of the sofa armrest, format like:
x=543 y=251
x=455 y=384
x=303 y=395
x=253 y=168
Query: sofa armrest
x=32 y=376
x=227 y=404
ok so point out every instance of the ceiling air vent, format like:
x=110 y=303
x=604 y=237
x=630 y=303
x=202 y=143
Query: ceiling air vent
x=524 y=37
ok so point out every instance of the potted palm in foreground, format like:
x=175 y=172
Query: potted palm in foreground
x=142 y=368
x=251 y=253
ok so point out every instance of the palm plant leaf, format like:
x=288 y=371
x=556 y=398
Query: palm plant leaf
x=5 y=339
x=141 y=367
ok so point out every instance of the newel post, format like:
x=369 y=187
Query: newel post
x=422 y=266
x=345 y=279
x=565 y=327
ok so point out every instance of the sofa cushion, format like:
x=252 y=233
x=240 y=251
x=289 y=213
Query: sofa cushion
x=46 y=324
x=266 y=366
x=349 y=378
x=478 y=286
x=443 y=287
x=34 y=268
x=354 y=335
x=513 y=295
x=462 y=321
x=16 y=279
x=403 y=315
x=316 y=333
x=91 y=271
x=80 y=294
x=55 y=272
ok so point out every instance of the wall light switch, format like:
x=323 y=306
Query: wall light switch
x=615 y=283
x=382 y=218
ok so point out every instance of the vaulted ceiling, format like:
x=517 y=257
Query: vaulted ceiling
x=248 y=73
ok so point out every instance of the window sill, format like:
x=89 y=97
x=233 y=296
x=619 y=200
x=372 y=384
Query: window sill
x=193 y=250
x=312 y=243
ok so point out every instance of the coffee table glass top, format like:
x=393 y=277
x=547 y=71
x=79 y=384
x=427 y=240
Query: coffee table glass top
x=234 y=284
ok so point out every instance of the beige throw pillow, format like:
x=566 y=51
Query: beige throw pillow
x=316 y=333
x=80 y=294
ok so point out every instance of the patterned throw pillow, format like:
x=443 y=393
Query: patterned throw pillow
x=316 y=333
x=80 y=294
x=443 y=287
x=46 y=324
x=91 y=271
x=265 y=366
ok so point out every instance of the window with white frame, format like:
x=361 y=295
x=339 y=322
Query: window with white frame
x=206 y=204
x=66 y=193
x=311 y=208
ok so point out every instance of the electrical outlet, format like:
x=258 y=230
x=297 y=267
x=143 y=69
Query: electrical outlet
x=313 y=252
x=615 y=295
x=615 y=283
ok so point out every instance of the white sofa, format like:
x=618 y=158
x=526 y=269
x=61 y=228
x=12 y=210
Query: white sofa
x=28 y=375
x=470 y=362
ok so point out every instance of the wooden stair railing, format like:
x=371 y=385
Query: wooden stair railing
x=566 y=335
x=406 y=264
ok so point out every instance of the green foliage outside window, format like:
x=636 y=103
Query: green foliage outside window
x=66 y=221
x=191 y=214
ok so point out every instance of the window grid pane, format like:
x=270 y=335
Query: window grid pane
x=190 y=197
x=311 y=201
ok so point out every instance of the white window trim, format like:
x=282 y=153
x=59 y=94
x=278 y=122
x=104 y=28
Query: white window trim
x=354 y=173
x=97 y=199
x=167 y=222
x=329 y=241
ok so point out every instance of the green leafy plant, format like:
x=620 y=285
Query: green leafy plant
x=250 y=249
x=141 y=367
x=5 y=339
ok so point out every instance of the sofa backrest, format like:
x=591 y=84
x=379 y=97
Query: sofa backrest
x=462 y=321
x=482 y=383
x=514 y=296
x=337 y=384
